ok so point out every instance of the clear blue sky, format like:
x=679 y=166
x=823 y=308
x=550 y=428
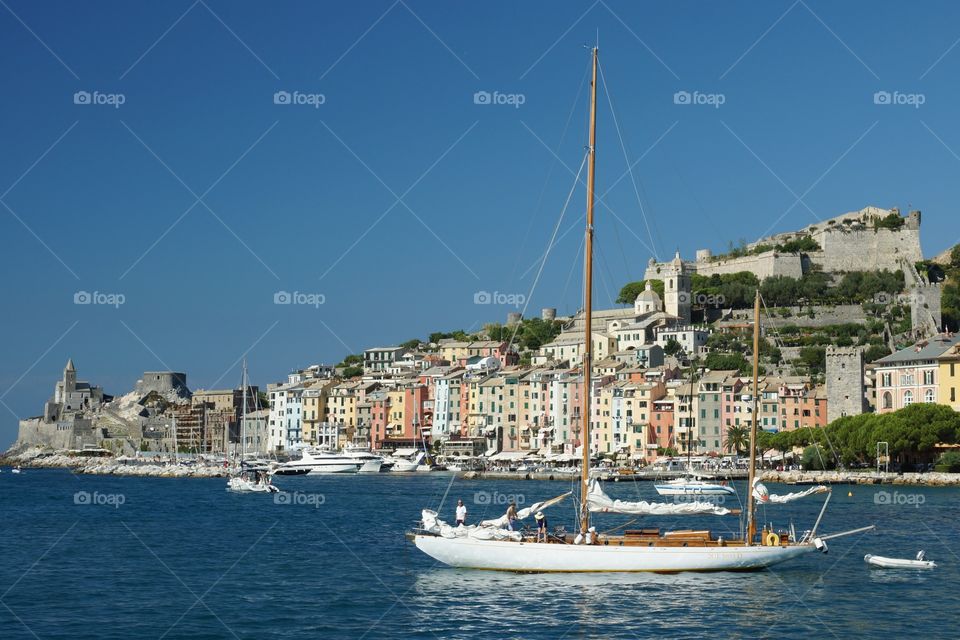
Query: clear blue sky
x=92 y=194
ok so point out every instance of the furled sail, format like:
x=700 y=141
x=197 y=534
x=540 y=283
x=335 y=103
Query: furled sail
x=762 y=495
x=525 y=512
x=487 y=529
x=600 y=502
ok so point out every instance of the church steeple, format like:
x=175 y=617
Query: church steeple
x=69 y=377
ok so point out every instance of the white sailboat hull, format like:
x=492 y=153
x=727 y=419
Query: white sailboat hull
x=497 y=555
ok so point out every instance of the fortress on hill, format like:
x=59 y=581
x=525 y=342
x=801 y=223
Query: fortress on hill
x=871 y=239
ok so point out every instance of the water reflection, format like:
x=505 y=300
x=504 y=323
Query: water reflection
x=592 y=605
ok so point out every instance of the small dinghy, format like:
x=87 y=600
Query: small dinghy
x=900 y=563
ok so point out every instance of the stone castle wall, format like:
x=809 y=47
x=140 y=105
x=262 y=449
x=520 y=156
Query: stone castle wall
x=64 y=434
x=866 y=249
x=847 y=243
x=763 y=265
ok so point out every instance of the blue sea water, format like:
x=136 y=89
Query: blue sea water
x=106 y=557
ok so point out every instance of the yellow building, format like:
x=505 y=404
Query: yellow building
x=949 y=378
x=314 y=412
x=342 y=404
x=397 y=413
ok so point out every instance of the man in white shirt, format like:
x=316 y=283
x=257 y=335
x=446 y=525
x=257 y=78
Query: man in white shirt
x=461 y=513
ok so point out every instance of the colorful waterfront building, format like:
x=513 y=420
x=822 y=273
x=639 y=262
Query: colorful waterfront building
x=912 y=374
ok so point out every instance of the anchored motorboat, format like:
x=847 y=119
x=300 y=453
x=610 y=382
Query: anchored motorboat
x=693 y=486
x=315 y=461
x=406 y=460
x=900 y=563
x=371 y=462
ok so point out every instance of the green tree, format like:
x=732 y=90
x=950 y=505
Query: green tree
x=737 y=440
x=352 y=372
x=814 y=458
x=496 y=331
x=672 y=347
x=815 y=359
x=726 y=361
x=413 y=343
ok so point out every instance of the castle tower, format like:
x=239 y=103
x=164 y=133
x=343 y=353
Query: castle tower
x=676 y=289
x=845 y=388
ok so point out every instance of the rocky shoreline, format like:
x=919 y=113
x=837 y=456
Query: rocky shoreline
x=109 y=465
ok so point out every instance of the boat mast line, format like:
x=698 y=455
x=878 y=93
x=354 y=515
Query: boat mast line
x=587 y=362
x=751 y=524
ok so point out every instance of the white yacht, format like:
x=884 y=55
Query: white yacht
x=406 y=460
x=371 y=462
x=314 y=461
x=693 y=486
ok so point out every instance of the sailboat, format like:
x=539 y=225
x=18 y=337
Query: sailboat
x=249 y=478
x=496 y=545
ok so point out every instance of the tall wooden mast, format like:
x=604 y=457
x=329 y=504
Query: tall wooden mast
x=751 y=523
x=588 y=303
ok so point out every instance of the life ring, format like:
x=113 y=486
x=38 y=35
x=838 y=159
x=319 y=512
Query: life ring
x=772 y=539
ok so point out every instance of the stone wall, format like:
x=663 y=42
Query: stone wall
x=763 y=265
x=65 y=434
x=866 y=249
x=822 y=316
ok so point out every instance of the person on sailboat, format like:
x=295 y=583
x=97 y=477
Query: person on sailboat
x=512 y=515
x=461 y=513
x=541 y=527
